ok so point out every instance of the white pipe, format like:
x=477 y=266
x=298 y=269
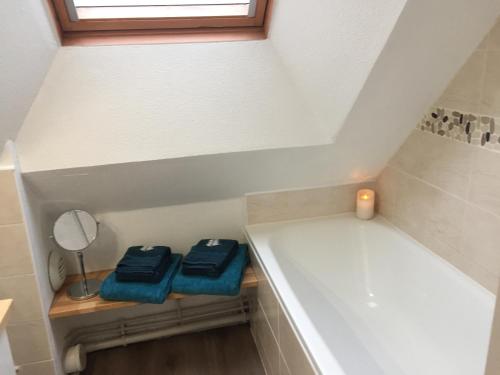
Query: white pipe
x=134 y=330
x=75 y=358
x=151 y=322
x=128 y=329
x=201 y=310
x=167 y=332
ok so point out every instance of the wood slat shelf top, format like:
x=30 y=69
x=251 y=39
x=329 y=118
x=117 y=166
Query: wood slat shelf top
x=63 y=306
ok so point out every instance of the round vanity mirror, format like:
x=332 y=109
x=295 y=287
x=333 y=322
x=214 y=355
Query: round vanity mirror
x=74 y=231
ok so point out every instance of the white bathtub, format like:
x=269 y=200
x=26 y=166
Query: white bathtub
x=366 y=299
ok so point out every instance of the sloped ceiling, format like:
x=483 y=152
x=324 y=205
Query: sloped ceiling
x=108 y=105
x=27 y=48
x=329 y=48
x=347 y=85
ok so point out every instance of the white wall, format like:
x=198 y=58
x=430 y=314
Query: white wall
x=27 y=48
x=104 y=105
x=179 y=227
x=329 y=48
x=130 y=186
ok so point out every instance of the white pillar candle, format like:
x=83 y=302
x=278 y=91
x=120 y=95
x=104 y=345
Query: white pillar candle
x=365 y=205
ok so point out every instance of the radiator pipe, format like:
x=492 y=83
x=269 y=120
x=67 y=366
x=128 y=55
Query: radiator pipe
x=75 y=358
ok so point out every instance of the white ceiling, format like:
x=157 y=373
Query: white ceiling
x=27 y=48
x=353 y=76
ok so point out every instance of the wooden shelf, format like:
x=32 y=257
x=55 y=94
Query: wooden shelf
x=63 y=306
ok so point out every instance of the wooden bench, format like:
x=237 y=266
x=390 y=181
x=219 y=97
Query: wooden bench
x=63 y=306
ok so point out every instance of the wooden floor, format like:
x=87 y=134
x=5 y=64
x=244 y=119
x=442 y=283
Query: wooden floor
x=224 y=351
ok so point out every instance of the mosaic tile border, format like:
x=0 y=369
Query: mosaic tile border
x=477 y=130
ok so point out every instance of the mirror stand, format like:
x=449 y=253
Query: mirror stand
x=83 y=289
x=75 y=231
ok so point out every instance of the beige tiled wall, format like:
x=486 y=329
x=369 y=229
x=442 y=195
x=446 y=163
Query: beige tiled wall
x=300 y=204
x=277 y=343
x=493 y=365
x=446 y=194
x=475 y=87
x=26 y=329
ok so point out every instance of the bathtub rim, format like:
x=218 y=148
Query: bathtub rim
x=318 y=353
x=316 y=363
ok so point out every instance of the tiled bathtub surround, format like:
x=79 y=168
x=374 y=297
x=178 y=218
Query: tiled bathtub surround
x=446 y=194
x=475 y=88
x=470 y=128
x=278 y=346
x=301 y=204
x=26 y=329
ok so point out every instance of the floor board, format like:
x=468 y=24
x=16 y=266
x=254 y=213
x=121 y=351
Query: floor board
x=223 y=351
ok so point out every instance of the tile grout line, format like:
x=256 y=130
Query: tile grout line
x=469 y=203
x=17 y=276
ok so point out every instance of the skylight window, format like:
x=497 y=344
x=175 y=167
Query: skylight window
x=109 y=9
x=127 y=17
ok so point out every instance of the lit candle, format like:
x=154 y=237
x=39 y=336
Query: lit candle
x=365 y=204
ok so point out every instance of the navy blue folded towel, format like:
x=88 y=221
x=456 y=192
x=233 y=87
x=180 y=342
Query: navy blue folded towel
x=112 y=289
x=209 y=257
x=147 y=266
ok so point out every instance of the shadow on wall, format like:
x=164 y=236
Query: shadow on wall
x=167 y=182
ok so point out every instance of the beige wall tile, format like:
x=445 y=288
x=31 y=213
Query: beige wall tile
x=29 y=342
x=11 y=210
x=269 y=303
x=309 y=203
x=485 y=181
x=265 y=295
x=465 y=89
x=411 y=205
x=298 y=204
x=37 y=368
x=440 y=161
x=466 y=264
x=485 y=43
x=23 y=290
x=493 y=41
x=442 y=217
x=267 y=207
x=453 y=229
x=284 y=370
x=480 y=241
x=493 y=365
x=15 y=256
x=267 y=343
x=490 y=96
x=292 y=351
x=387 y=190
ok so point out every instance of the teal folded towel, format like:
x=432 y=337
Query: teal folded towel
x=112 y=289
x=227 y=284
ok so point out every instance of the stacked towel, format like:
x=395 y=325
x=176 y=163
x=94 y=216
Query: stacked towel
x=147 y=266
x=209 y=258
x=112 y=289
x=228 y=284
